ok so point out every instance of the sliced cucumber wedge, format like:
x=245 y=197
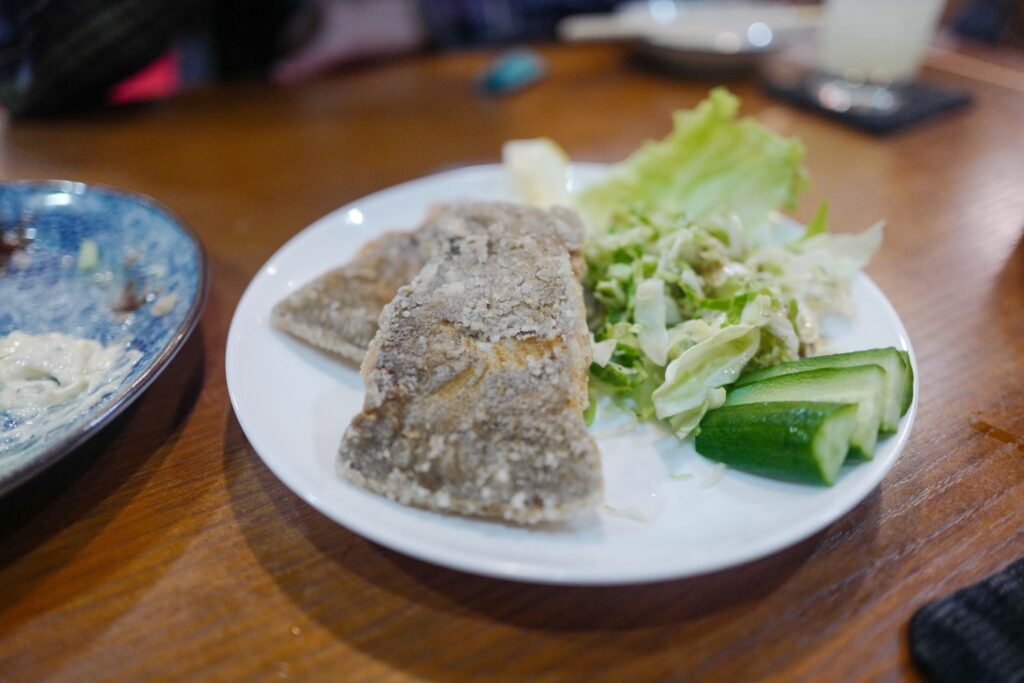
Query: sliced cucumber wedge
x=798 y=440
x=864 y=385
x=900 y=378
x=908 y=387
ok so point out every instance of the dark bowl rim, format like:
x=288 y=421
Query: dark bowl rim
x=61 y=448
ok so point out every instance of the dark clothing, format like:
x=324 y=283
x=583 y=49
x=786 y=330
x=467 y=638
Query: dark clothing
x=61 y=55
x=64 y=54
x=475 y=22
x=975 y=634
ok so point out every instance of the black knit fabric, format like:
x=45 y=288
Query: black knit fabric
x=975 y=634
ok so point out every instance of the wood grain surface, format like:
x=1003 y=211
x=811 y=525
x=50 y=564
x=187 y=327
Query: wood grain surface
x=165 y=550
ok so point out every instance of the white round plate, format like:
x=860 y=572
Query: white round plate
x=294 y=403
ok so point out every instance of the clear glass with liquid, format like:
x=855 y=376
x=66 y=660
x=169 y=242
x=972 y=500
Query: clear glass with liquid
x=877 y=42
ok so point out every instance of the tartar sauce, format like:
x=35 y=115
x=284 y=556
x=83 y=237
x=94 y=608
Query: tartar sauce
x=44 y=370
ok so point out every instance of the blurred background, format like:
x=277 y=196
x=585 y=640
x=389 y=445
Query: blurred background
x=59 y=56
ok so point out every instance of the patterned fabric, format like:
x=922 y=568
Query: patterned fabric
x=976 y=634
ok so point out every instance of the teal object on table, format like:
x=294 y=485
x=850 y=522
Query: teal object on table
x=512 y=72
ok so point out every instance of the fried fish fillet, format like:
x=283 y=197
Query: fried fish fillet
x=338 y=311
x=477 y=378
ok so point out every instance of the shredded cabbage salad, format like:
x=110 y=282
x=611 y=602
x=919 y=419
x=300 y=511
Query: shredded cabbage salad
x=693 y=275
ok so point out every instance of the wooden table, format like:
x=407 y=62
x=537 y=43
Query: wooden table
x=164 y=549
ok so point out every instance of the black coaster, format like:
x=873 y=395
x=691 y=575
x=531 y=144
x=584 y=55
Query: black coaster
x=975 y=634
x=909 y=104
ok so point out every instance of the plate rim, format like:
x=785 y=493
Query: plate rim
x=528 y=572
x=130 y=392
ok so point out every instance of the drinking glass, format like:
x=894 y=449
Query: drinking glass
x=870 y=50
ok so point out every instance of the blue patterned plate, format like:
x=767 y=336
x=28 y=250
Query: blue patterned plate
x=95 y=263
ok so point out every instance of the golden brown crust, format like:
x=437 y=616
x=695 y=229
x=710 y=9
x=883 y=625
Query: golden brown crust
x=476 y=380
x=338 y=311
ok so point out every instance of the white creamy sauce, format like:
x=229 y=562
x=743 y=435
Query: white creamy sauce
x=48 y=379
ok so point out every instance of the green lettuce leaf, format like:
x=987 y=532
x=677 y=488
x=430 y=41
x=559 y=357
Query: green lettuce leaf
x=818 y=224
x=693 y=381
x=712 y=163
x=692 y=272
x=649 y=312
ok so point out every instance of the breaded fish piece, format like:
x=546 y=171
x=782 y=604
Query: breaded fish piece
x=477 y=379
x=460 y=219
x=338 y=311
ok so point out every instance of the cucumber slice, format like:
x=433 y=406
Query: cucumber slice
x=864 y=385
x=908 y=388
x=798 y=440
x=900 y=386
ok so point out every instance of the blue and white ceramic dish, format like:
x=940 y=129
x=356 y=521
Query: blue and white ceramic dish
x=141 y=284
